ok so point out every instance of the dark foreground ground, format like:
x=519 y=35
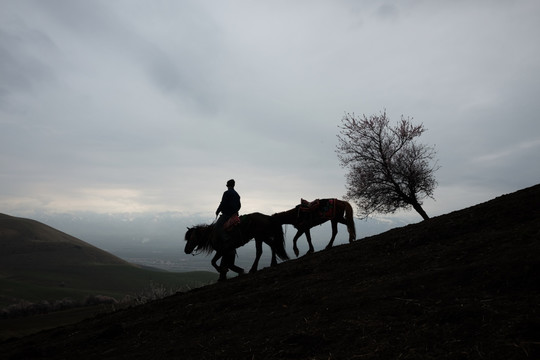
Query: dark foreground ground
x=461 y=286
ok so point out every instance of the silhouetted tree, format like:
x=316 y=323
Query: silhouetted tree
x=388 y=170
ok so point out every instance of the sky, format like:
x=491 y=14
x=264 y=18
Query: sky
x=151 y=106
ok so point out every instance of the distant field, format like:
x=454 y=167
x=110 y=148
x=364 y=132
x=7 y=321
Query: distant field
x=77 y=282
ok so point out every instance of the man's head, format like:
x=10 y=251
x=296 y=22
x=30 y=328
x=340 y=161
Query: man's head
x=230 y=183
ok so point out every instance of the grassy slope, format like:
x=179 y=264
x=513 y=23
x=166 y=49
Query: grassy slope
x=19 y=327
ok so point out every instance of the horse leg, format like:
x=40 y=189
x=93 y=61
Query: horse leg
x=349 y=221
x=222 y=269
x=351 y=230
x=273 y=262
x=214 y=261
x=237 y=269
x=222 y=273
x=308 y=237
x=226 y=262
x=270 y=241
x=258 y=253
x=334 y=233
x=230 y=263
x=295 y=239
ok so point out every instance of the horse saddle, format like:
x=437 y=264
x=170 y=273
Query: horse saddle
x=231 y=223
x=306 y=206
x=323 y=208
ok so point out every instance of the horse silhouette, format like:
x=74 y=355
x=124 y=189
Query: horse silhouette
x=262 y=228
x=309 y=214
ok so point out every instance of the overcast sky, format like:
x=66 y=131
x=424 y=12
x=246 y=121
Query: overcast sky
x=131 y=106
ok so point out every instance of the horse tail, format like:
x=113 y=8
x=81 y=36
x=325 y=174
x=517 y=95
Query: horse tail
x=279 y=241
x=349 y=218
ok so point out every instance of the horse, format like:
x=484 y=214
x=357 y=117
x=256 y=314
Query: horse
x=307 y=215
x=207 y=232
x=262 y=228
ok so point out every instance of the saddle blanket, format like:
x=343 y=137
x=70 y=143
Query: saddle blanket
x=324 y=208
x=232 y=222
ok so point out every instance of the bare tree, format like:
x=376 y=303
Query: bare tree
x=388 y=170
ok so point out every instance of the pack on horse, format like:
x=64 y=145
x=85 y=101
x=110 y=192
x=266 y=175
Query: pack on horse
x=309 y=214
x=262 y=228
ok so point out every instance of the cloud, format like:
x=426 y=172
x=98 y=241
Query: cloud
x=514 y=152
x=146 y=106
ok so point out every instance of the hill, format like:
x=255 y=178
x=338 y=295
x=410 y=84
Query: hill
x=26 y=242
x=459 y=286
x=38 y=262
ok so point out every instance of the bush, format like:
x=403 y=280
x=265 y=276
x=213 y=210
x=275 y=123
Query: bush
x=154 y=292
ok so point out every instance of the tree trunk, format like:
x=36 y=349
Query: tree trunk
x=419 y=210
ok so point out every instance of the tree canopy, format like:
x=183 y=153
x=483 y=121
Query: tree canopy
x=388 y=168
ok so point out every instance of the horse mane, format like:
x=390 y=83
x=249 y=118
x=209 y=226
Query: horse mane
x=205 y=236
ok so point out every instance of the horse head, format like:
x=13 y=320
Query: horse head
x=192 y=240
x=199 y=238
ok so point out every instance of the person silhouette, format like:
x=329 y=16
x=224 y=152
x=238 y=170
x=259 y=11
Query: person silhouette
x=228 y=207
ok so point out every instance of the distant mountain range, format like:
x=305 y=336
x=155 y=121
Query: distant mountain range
x=120 y=230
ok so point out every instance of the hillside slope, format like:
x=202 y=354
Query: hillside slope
x=460 y=286
x=26 y=242
x=38 y=262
